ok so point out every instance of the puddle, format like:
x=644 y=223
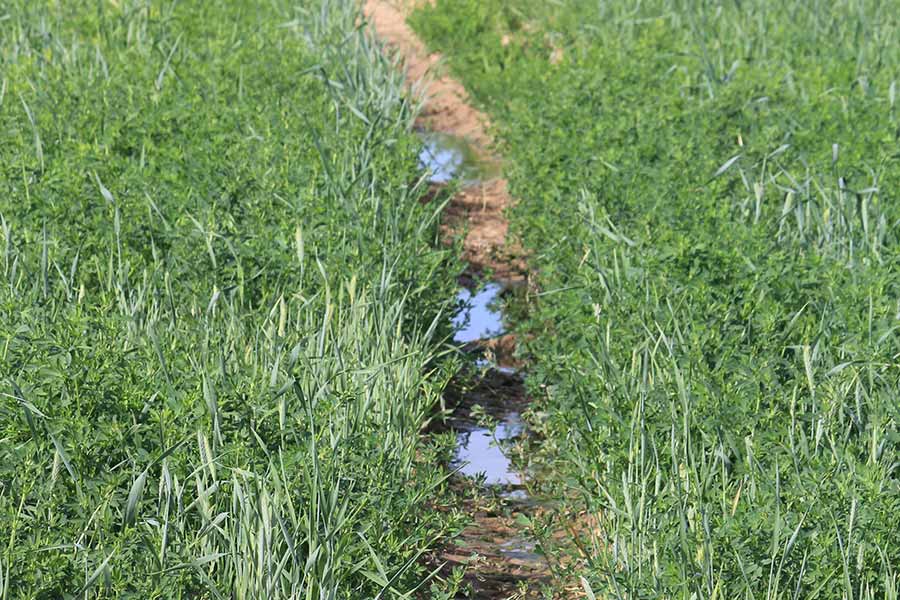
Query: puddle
x=483 y=363
x=520 y=549
x=479 y=452
x=478 y=449
x=447 y=157
x=479 y=319
x=516 y=495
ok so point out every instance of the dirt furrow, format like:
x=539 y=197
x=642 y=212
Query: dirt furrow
x=494 y=568
x=479 y=208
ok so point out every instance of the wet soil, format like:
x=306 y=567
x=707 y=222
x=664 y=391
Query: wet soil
x=500 y=560
x=477 y=211
x=488 y=401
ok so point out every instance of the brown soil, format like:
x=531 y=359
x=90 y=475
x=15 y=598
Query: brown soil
x=500 y=350
x=478 y=212
x=489 y=573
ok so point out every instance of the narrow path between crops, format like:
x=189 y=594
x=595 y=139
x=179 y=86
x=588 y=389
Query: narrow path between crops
x=499 y=557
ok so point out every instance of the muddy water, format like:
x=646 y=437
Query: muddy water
x=447 y=158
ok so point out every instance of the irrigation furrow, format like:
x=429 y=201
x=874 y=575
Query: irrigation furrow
x=499 y=558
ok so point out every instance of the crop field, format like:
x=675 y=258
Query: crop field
x=708 y=195
x=236 y=361
x=220 y=305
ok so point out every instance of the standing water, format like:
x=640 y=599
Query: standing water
x=508 y=554
x=479 y=450
x=480 y=320
x=481 y=453
x=494 y=551
x=447 y=158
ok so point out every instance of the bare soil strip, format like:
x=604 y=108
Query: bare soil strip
x=478 y=210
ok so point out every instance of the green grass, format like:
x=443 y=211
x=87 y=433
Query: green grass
x=220 y=305
x=709 y=195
